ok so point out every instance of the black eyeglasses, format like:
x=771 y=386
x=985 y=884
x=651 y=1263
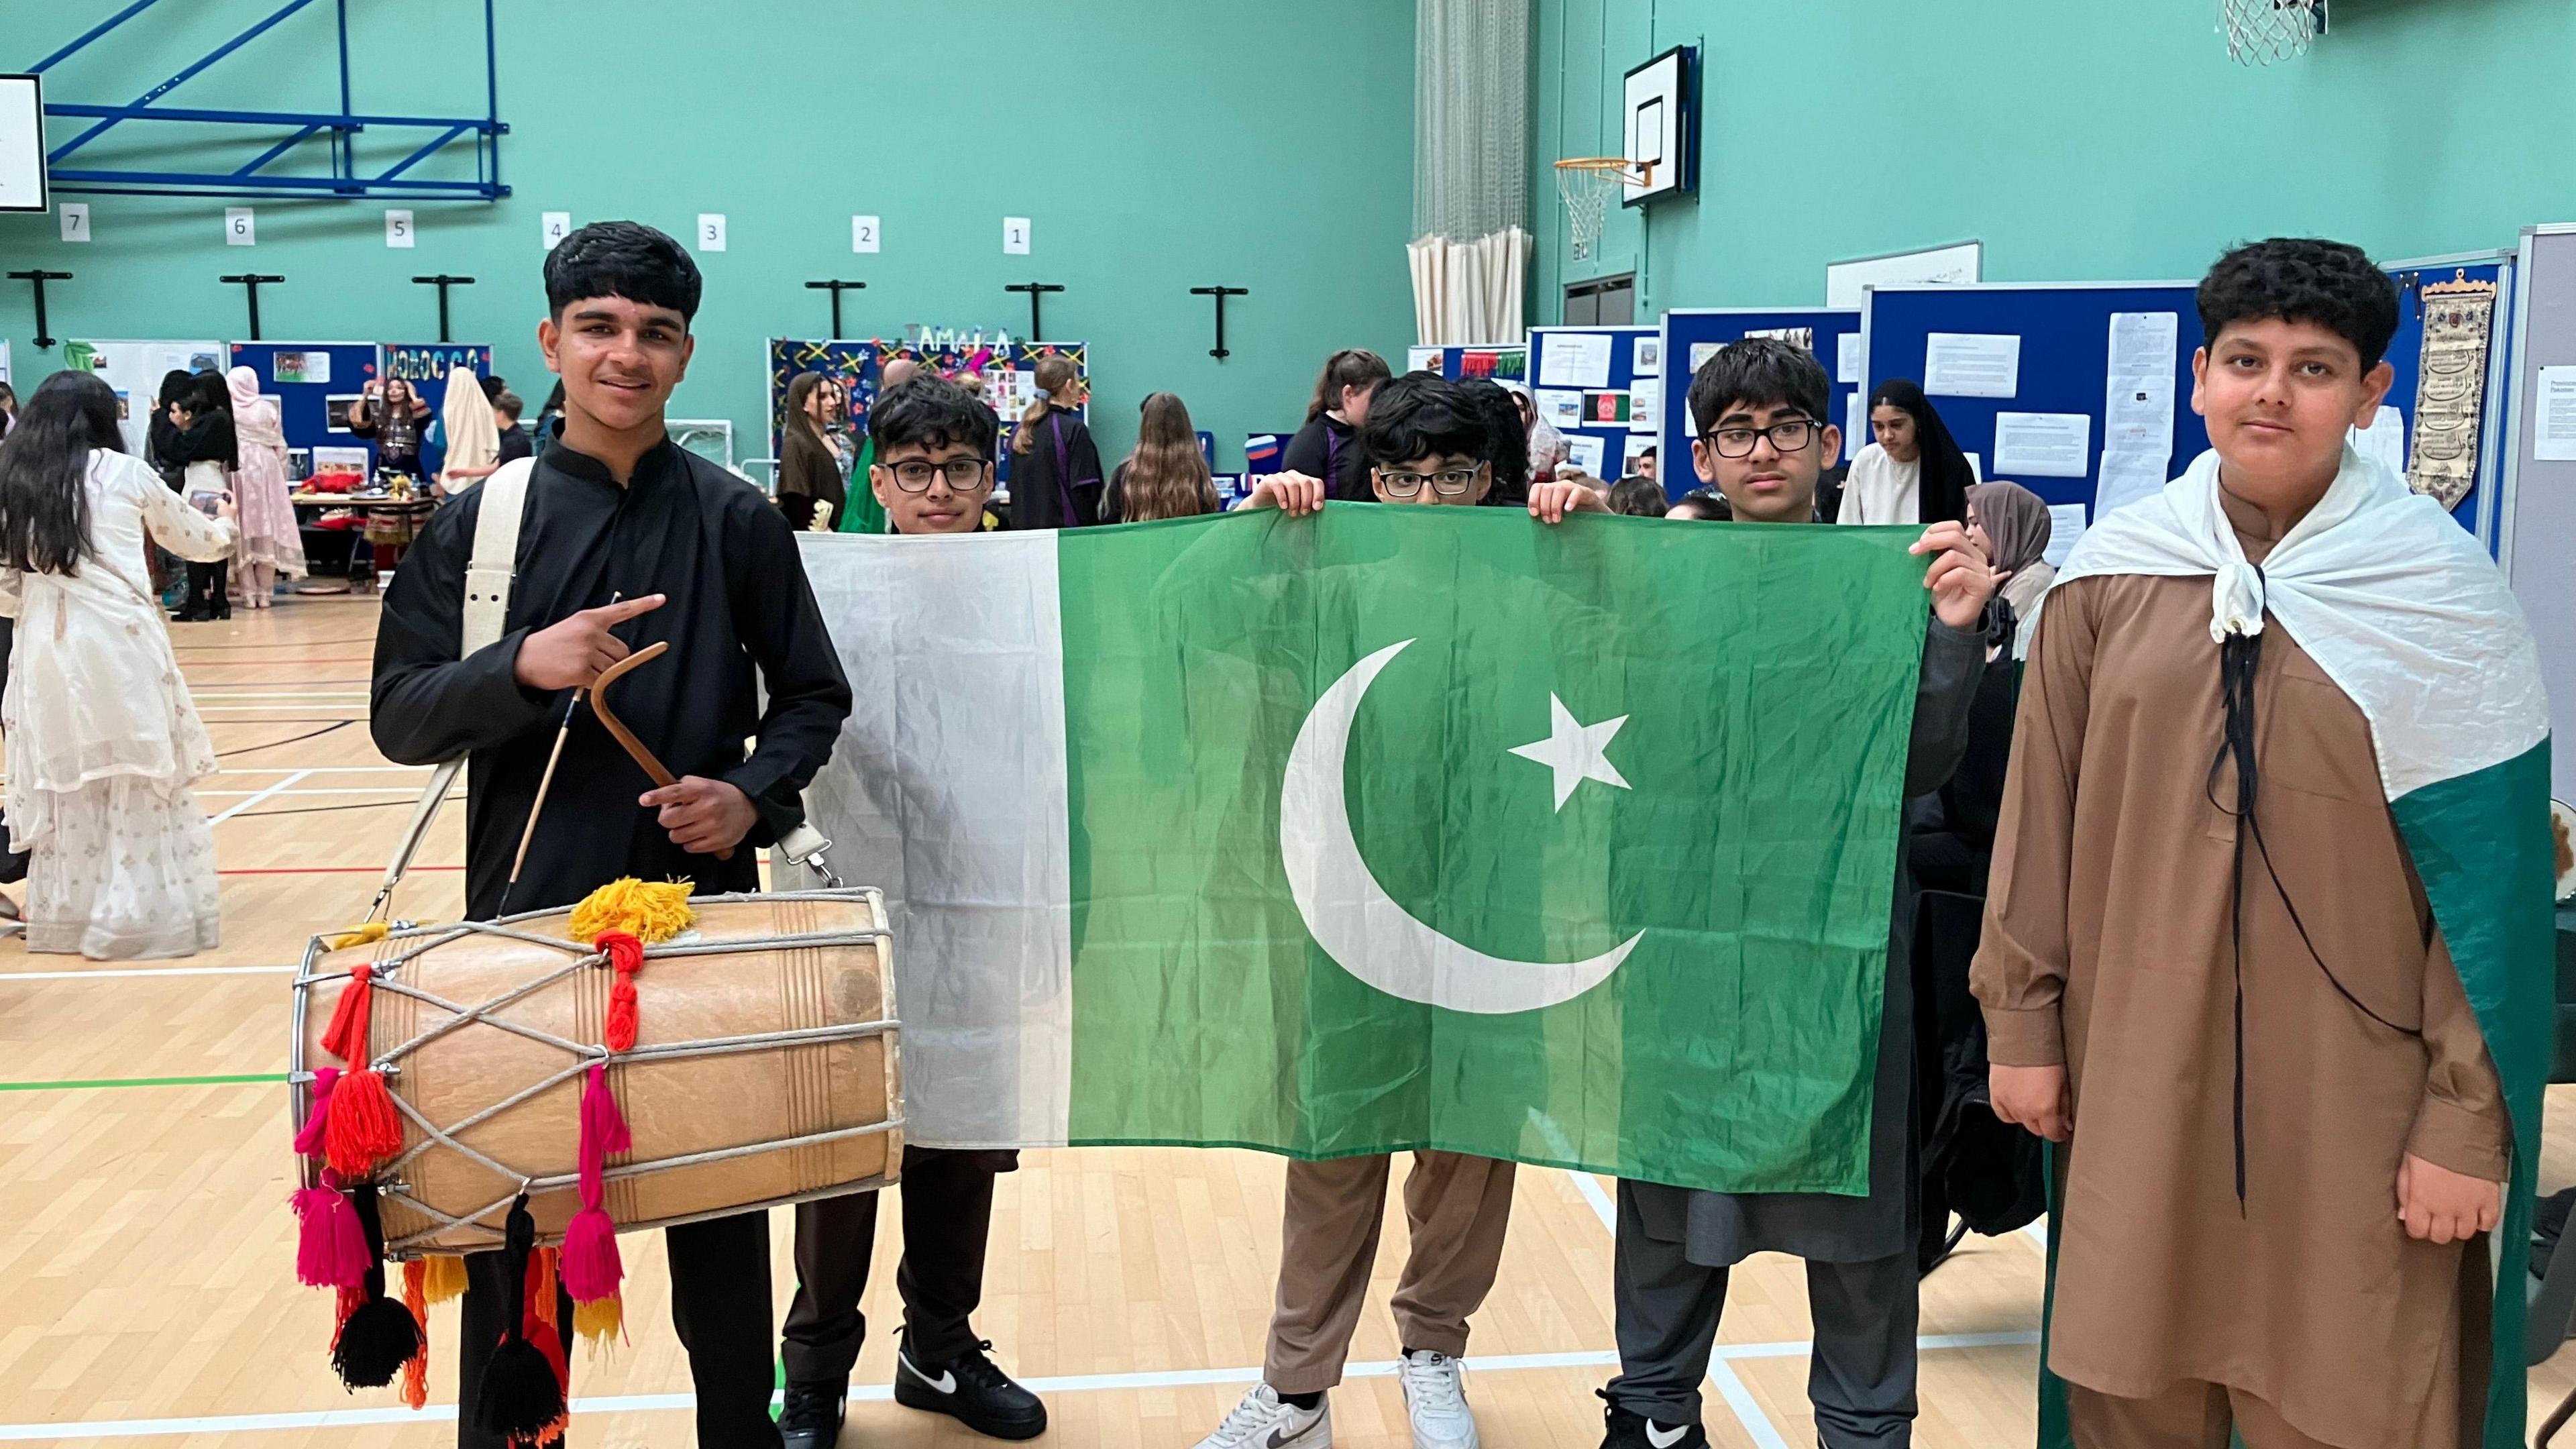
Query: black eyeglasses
x=913 y=475
x=1448 y=483
x=1788 y=437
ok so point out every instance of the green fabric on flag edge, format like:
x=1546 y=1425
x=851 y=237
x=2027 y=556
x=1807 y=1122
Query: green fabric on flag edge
x=2482 y=846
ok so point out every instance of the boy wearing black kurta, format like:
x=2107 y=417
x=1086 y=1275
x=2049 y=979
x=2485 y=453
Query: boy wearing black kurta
x=626 y=540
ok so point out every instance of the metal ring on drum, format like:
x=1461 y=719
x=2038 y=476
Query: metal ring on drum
x=767 y=1069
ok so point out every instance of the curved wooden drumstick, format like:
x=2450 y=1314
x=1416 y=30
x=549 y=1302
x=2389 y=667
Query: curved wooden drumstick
x=660 y=773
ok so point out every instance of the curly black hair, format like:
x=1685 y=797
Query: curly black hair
x=2303 y=279
x=623 y=259
x=932 y=412
x=1423 y=415
x=1760 y=372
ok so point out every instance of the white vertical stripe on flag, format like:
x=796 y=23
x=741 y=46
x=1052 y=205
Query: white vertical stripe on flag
x=947 y=792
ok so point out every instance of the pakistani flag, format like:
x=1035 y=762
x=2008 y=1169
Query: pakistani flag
x=1388 y=828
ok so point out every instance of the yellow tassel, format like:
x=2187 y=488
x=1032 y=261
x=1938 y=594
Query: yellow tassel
x=366 y=935
x=444 y=1278
x=651 y=912
x=601 y=1320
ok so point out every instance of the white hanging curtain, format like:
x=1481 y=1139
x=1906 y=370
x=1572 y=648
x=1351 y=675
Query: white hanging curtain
x=1470 y=170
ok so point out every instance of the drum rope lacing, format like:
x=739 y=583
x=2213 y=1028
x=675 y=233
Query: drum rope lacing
x=584 y=1054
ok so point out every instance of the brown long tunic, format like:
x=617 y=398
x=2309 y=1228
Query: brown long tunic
x=2108 y=948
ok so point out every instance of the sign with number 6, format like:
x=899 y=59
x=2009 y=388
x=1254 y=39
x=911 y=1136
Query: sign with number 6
x=240 y=229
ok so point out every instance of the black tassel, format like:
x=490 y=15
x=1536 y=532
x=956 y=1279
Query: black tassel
x=521 y=1398
x=380 y=1335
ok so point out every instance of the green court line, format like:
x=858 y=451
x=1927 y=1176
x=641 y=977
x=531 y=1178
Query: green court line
x=102 y=1082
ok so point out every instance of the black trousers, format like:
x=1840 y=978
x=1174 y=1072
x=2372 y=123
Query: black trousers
x=719 y=1303
x=947 y=1218
x=206 y=585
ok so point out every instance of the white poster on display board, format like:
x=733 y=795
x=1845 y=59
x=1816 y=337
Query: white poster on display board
x=135 y=369
x=1848 y=283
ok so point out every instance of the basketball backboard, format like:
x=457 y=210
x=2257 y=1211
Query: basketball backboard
x=1662 y=127
x=22 y=144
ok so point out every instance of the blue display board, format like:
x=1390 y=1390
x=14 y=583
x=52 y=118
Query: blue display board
x=2478 y=510
x=1266 y=452
x=1500 y=362
x=859 y=362
x=1635 y=376
x=1693 y=332
x=316 y=376
x=2065 y=332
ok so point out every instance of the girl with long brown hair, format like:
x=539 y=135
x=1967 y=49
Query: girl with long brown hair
x=1167 y=476
x=1055 y=467
x=1328 y=446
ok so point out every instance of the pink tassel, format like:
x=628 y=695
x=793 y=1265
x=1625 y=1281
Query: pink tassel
x=308 y=1142
x=330 y=1246
x=591 y=1267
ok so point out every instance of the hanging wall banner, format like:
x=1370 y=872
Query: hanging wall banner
x=2459 y=321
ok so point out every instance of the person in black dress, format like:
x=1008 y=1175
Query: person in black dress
x=1056 y=478
x=1328 y=446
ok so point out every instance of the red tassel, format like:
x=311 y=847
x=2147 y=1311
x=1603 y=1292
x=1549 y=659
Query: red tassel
x=591 y=1266
x=308 y=1139
x=330 y=1246
x=346 y=1036
x=625 y=957
x=349 y=1299
x=415 y=1374
x=364 y=1129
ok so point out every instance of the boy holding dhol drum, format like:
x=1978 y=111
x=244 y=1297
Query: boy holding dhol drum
x=615 y=511
x=933 y=473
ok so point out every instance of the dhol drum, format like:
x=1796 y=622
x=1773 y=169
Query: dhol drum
x=766 y=1067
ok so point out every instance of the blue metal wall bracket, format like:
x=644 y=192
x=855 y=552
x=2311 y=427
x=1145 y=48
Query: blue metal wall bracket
x=256 y=178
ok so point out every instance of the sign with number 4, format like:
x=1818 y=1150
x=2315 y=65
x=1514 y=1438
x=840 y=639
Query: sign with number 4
x=711 y=232
x=1015 y=236
x=398 y=230
x=76 y=221
x=558 y=226
x=865 y=234
x=239 y=228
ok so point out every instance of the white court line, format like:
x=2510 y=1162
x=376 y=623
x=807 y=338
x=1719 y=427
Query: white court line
x=277 y=694
x=880 y=1393
x=327 y=770
x=262 y=795
x=9 y=976
x=395 y=792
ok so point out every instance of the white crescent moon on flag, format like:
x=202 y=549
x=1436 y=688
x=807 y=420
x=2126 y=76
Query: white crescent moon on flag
x=1352 y=917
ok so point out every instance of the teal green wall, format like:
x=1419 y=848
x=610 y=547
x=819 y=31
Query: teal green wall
x=2079 y=139
x=1156 y=145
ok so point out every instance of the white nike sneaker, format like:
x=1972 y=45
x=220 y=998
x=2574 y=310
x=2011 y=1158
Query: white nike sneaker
x=1435 y=1399
x=1261 y=1421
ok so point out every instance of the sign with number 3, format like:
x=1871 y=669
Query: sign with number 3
x=711 y=231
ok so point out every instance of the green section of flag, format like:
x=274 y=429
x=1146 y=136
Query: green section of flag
x=1767 y=675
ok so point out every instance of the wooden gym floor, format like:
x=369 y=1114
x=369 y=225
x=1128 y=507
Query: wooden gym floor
x=147 y=1292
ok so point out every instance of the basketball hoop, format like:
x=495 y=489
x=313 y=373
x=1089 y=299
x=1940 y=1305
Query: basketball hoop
x=2260 y=32
x=1586 y=184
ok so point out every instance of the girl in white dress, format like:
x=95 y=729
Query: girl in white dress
x=103 y=740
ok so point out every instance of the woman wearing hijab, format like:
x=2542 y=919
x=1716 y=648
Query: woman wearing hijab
x=473 y=436
x=271 y=545
x=809 y=468
x=1547 y=446
x=1913 y=472
x=206 y=453
x=2013 y=523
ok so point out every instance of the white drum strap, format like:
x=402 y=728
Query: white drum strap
x=488 y=579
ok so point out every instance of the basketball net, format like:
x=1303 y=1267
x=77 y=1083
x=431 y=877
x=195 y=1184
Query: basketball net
x=1585 y=184
x=2260 y=32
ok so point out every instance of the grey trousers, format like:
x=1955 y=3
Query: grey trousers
x=1860 y=1374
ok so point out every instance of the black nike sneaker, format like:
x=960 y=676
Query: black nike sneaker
x=811 y=1416
x=971 y=1389
x=1624 y=1430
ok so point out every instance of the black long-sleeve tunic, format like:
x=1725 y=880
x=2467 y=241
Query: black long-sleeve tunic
x=737 y=601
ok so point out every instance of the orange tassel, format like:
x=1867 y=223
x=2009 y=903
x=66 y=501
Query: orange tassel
x=346 y=1036
x=542 y=1283
x=364 y=1128
x=626 y=957
x=415 y=1374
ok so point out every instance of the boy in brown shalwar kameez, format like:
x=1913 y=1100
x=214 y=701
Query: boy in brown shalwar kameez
x=2292 y=1135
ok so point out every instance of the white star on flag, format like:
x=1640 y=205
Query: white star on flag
x=1574 y=751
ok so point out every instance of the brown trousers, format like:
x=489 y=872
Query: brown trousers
x=1457 y=1208
x=2196 y=1415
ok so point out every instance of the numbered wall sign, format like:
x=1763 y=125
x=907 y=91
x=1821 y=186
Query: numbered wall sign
x=1015 y=236
x=711 y=231
x=398 y=230
x=240 y=229
x=558 y=226
x=865 y=234
x=76 y=221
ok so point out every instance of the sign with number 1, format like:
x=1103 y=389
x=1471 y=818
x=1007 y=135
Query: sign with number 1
x=1015 y=236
